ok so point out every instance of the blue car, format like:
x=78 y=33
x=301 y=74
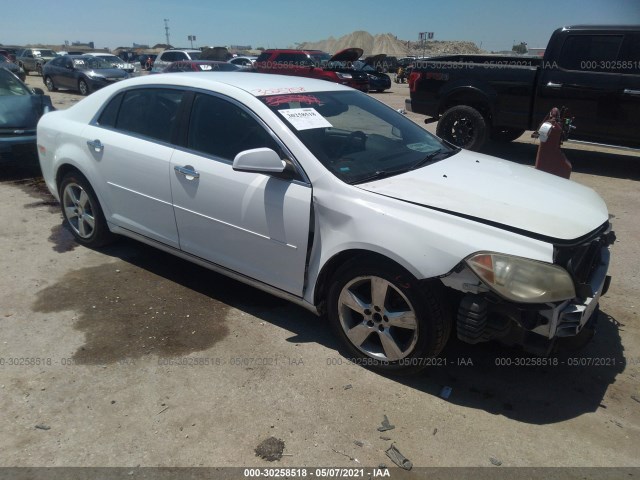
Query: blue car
x=20 y=110
x=378 y=81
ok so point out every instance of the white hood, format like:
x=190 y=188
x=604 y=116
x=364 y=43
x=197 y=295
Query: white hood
x=487 y=188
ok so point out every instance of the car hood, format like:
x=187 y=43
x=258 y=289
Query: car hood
x=347 y=55
x=108 y=72
x=20 y=111
x=501 y=193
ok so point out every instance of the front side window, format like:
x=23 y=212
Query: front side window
x=149 y=112
x=355 y=137
x=220 y=128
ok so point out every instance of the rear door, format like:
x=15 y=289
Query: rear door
x=132 y=144
x=585 y=81
x=251 y=223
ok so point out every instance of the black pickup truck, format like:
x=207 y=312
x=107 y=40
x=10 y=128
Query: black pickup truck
x=594 y=71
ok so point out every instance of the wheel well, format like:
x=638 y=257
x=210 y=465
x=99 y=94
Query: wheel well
x=469 y=99
x=64 y=170
x=334 y=263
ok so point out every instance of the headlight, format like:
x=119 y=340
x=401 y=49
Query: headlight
x=522 y=280
x=343 y=75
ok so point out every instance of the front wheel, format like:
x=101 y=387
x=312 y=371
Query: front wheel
x=385 y=318
x=463 y=126
x=82 y=211
x=83 y=87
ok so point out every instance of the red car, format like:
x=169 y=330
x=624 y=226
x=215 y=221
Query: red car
x=201 y=66
x=315 y=64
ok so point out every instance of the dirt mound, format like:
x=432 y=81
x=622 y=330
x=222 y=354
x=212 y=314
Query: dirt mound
x=389 y=44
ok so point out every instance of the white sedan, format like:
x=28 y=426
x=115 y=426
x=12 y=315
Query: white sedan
x=324 y=196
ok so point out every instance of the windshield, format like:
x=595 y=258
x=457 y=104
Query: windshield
x=111 y=59
x=91 y=63
x=356 y=137
x=10 y=85
x=195 y=55
x=320 y=59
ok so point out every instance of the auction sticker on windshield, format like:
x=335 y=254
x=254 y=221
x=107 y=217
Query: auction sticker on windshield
x=305 y=118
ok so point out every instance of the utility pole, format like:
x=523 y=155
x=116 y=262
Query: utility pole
x=166 y=30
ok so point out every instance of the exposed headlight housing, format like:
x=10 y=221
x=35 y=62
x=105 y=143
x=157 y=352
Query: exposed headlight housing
x=344 y=75
x=522 y=280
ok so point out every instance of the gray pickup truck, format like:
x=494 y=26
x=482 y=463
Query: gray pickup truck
x=32 y=59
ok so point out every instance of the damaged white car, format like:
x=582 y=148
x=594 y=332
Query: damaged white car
x=324 y=196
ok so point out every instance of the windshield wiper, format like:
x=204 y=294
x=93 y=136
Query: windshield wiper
x=378 y=175
x=431 y=157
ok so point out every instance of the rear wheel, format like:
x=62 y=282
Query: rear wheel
x=82 y=211
x=463 y=126
x=83 y=87
x=385 y=318
x=48 y=81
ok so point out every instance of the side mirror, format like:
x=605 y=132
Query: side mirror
x=38 y=91
x=259 y=160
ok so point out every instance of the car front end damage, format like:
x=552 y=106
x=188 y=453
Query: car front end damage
x=542 y=307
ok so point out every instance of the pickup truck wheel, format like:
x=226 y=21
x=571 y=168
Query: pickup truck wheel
x=26 y=72
x=386 y=319
x=505 y=135
x=463 y=126
x=82 y=211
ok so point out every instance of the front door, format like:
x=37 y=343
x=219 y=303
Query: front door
x=251 y=223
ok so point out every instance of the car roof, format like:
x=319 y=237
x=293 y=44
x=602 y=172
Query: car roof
x=257 y=84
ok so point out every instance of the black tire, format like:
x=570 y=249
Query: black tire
x=82 y=211
x=463 y=126
x=26 y=72
x=421 y=307
x=505 y=135
x=48 y=81
x=83 y=87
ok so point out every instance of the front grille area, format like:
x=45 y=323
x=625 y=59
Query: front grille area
x=582 y=260
x=22 y=132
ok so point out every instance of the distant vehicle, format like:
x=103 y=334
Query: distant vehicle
x=594 y=71
x=146 y=61
x=32 y=59
x=201 y=66
x=10 y=52
x=115 y=62
x=167 y=57
x=378 y=81
x=20 y=109
x=243 y=60
x=83 y=73
x=12 y=67
x=315 y=64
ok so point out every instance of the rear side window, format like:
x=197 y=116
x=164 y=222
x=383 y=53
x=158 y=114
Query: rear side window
x=630 y=57
x=150 y=113
x=591 y=53
x=109 y=115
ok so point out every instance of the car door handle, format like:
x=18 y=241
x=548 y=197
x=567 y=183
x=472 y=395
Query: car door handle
x=554 y=85
x=187 y=171
x=96 y=145
x=635 y=93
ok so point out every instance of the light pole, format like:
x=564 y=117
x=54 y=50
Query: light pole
x=166 y=30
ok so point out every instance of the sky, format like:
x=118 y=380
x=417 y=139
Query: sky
x=491 y=24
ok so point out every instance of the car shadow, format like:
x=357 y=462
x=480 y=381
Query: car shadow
x=592 y=162
x=490 y=377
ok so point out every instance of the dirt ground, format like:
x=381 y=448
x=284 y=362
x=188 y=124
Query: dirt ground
x=130 y=357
